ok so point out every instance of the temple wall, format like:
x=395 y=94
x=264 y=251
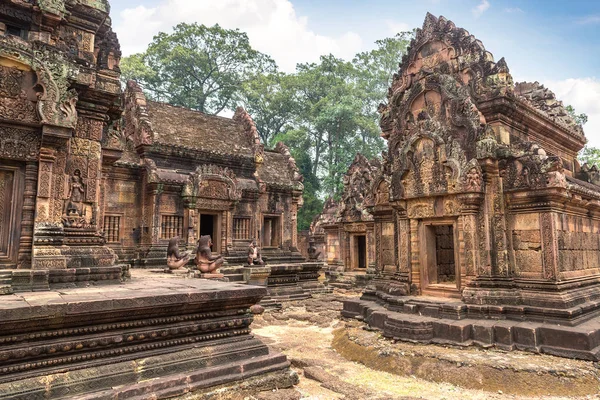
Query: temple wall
x=332 y=245
x=121 y=200
x=578 y=242
x=526 y=250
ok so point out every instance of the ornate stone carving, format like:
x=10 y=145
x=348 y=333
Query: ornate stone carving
x=358 y=190
x=15 y=104
x=19 y=144
x=211 y=182
x=56 y=103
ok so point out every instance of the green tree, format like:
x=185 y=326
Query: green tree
x=590 y=156
x=199 y=67
x=581 y=119
x=272 y=102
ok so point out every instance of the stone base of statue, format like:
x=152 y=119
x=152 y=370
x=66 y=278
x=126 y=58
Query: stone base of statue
x=150 y=338
x=179 y=271
x=213 y=276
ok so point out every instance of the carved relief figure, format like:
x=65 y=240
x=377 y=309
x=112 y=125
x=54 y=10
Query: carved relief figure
x=75 y=211
x=176 y=260
x=205 y=261
x=254 y=255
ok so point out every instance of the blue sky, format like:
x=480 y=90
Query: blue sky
x=554 y=42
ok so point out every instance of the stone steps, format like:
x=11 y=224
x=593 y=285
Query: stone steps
x=433 y=322
x=5 y=283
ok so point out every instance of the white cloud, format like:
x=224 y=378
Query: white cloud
x=273 y=27
x=514 y=10
x=590 y=19
x=481 y=8
x=584 y=95
x=397 y=27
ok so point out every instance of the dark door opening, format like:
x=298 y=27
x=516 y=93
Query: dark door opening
x=361 y=245
x=208 y=226
x=444 y=254
x=11 y=203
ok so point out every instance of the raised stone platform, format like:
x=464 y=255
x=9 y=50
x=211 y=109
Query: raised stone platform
x=447 y=321
x=150 y=338
x=27 y=280
x=337 y=277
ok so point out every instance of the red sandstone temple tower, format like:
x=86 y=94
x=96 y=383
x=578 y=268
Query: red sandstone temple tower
x=482 y=194
x=60 y=94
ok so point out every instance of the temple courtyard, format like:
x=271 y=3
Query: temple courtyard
x=153 y=250
x=338 y=359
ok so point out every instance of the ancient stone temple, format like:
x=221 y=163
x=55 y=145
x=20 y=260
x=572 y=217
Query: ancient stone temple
x=88 y=175
x=487 y=206
x=184 y=173
x=347 y=227
x=59 y=93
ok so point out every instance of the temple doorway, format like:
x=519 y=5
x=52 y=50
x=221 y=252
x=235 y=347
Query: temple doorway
x=11 y=202
x=439 y=259
x=271 y=232
x=360 y=252
x=209 y=225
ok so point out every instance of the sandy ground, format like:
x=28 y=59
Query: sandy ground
x=310 y=331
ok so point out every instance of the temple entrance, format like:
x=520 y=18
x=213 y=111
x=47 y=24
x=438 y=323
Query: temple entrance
x=209 y=225
x=439 y=260
x=360 y=252
x=11 y=202
x=271 y=232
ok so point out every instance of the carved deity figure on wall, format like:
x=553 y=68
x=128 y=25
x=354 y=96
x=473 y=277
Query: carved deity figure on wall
x=254 y=255
x=473 y=180
x=76 y=194
x=176 y=260
x=206 y=262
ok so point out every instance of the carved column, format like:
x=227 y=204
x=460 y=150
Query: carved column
x=415 y=255
x=404 y=244
x=45 y=202
x=468 y=220
x=549 y=245
x=27 y=222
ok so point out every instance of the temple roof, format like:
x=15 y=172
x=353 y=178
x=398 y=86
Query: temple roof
x=181 y=126
x=275 y=170
x=545 y=101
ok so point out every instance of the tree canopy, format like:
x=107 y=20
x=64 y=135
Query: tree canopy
x=199 y=67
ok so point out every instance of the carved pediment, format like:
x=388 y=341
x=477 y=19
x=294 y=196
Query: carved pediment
x=212 y=182
x=358 y=189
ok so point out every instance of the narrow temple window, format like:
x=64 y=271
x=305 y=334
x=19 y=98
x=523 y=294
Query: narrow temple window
x=112 y=228
x=171 y=226
x=241 y=228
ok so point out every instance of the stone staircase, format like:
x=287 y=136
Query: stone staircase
x=233 y=273
x=5 y=282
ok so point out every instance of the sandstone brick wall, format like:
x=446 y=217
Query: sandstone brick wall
x=527 y=246
x=578 y=245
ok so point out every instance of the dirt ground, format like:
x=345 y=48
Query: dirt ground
x=340 y=359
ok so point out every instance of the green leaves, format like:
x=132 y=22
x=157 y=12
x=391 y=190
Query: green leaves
x=590 y=156
x=580 y=119
x=199 y=67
